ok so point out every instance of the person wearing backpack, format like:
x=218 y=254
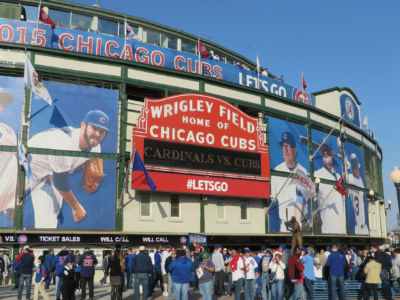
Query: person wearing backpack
x=355 y=262
x=42 y=279
x=263 y=269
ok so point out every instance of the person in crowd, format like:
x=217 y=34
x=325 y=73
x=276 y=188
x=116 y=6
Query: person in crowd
x=7 y=263
x=276 y=265
x=142 y=269
x=169 y=260
x=232 y=252
x=327 y=252
x=123 y=272
x=205 y=281
x=115 y=271
x=322 y=261
x=87 y=272
x=251 y=276
x=336 y=262
x=181 y=270
x=128 y=260
x=216 y=57
x=309 y=276
x=226 y=257
x=263 y=269
x=166 y=253
x=396 y=266
x=25 y=259
x=104 y=267
x=2 y=268
x=265 y=72
x=68 y=281
x=233 y=63
x=195 y=258
x=42 y=278
x=384 y=260
x=57 y=266
x=355 y=262
x=219 y=271
x=238 y=268
x=151 y=254
x=281 y=79
x=286 y=255
x=15 y=268
x=157 y=266
x=275 y=77
x=296 y=275
x=318 y=269
x=373 y=272
x=77 y=269
x=48 y=260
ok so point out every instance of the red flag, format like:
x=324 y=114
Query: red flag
x=304 y=82
x=203 y=50
x=340 y=186
x=46 y=19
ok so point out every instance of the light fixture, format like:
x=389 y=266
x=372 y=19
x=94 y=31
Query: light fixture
x=317 y=180
x=390 y=204
x=371 y=193
x=395 y=175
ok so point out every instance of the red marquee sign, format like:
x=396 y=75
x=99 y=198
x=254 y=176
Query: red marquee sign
x=193 y=143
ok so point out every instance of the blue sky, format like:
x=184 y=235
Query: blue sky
x=336 y=43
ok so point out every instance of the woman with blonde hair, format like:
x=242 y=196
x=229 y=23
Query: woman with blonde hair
x=114 y=267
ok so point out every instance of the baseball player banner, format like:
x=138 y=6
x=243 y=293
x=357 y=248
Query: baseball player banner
x=292 y=202
x=81 y=118
x=13 y=31
x=288 y=144
x=8 y=186
x=70 y=192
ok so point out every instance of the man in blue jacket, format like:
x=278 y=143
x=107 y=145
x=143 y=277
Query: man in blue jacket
x=57 y=266
x=15 y=268
x=142 y=267
x=26 y=260
x=87 y=261
x=128 y=260
x=48 y=260
x=309 y=276
x=181 y=270
x=336 y=262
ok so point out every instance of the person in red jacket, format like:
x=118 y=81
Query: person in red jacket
x=296 y=269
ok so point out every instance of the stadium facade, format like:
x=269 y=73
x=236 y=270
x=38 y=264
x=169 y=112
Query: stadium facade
x=218 y=146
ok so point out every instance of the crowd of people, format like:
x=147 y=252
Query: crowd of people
x=272 y=273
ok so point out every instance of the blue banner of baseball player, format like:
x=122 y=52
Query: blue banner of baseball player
x=327 y=164
x=11 y=94
x=65 y=196
x=97 y=44
x=350 y=110
x=357 y=211
x=288 y=144
x=81 y=118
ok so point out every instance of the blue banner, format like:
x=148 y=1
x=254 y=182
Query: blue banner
x=97 y=44
x=350 y=110
x=197 y=238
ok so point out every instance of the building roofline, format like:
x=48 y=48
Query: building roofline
x=339 y=90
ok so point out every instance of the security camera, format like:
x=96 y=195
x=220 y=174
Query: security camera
x=204 y=198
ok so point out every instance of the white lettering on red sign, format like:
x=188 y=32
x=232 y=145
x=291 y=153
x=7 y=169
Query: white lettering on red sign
x=207 y=185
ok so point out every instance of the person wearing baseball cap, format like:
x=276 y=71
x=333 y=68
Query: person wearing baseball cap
x=48 y=260
x=296 y=275
x=263 y=269
x=68 y=279
x=250 y=280
x=181 y=270
x=26 y=260
x=336 y=262
x=205 y=281
x=87 y=272
x=142 y=268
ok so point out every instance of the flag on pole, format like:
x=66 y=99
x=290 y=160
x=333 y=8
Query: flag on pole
x=340 y=186
x=138 y=165
x=130 y=34
x=258 y=72
x=365 y=123
x=24 y=162
x=304 y=82
x=203 y=50
x=304 y=184
x=46 y=19
x=258 y=65
x=343 y=135
x=34 y=83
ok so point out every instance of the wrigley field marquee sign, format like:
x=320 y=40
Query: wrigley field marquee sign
x=193 y=143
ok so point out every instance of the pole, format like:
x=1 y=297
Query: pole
x=320 y=205
x=125 y=41
x=397 y=185
x=258 y=73
x=37 y=24
x=333 y=128
x=276 y=197
x=198 y=50
x=17 y=190
x=120 y=200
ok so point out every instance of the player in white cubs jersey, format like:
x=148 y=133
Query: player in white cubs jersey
x=51 y=173
x=8 y=161
x=357 y=197
x=289 y=201
x=332 y=210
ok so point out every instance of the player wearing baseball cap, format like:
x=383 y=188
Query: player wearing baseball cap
x=357 y=197
x=332 y=211
x=51 y=174
x=283 y=207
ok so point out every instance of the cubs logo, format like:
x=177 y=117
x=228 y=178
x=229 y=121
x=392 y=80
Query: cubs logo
x=44 y=16
x=38 y=270
x=349 y=109
x=128 y=30
x=183 y=240
x=22 y=239
x=102 y=120
x=203 y=49
x=301 y=96
x=285 y=136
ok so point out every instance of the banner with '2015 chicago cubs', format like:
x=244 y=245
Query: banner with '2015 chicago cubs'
x=92 y=43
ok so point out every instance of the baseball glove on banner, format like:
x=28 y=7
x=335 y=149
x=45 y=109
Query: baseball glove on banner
x=92 y=174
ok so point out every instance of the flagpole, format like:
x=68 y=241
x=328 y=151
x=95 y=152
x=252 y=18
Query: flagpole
x=17 y=189
x=125 y=41
x=198 y=50
x=258 y=73
x=120 y=200
x=37 y=24
x=333 y=128
x=302 y=85
x=276 y=197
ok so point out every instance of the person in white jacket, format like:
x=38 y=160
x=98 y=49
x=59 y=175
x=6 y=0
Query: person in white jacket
x=396 y=266
x=276 y=265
